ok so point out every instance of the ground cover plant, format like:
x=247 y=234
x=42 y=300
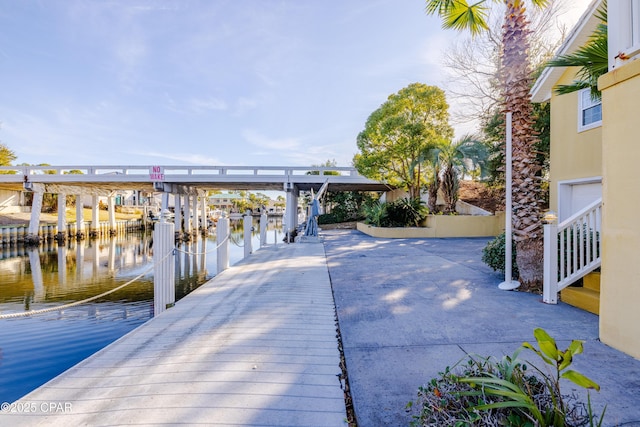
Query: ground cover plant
x=483 y=391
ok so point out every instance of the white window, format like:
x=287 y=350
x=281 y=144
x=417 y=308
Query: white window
x=624 y=31
x=589 y=111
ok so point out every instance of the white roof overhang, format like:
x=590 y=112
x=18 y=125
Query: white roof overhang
x=579 y=35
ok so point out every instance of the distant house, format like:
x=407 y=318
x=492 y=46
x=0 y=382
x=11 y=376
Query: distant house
x=224 y=201
x=12 y=202
x=594 y=153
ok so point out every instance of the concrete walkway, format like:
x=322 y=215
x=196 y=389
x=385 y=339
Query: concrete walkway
x=408 y=308
x=255 y=346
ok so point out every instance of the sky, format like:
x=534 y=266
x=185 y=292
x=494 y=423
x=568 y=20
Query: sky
x=208 y=82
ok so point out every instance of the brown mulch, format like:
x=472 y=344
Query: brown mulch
x=479 y=194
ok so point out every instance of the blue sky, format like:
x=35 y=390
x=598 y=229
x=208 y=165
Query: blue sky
x=205 y=82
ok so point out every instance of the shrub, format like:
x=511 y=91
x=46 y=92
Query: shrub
x=330 y=218
x=376 y=214
x=399 y=213
x=486 y=392
x=494 y=255
x=406 y=213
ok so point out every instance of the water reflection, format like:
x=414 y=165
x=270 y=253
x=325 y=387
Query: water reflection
x=35 y=349
x=53 y=275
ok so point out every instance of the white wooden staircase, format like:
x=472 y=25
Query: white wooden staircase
x=572 y=252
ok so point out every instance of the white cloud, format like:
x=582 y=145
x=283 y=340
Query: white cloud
x=195 y=105
x=205 y=105
x=245 y=104
x=276 y=144
x=191 y=158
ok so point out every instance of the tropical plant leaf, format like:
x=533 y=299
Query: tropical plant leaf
x=576 y=347
x=567 y=358
x=547 y=344
x=493 y=382
x=536 y=351
x=579 y=379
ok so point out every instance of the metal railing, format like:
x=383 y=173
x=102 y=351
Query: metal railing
x=69 y=171
x=571 y=250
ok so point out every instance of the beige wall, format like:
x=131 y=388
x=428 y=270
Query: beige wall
x=574 y=155
x=620 y=279
x=443 y=226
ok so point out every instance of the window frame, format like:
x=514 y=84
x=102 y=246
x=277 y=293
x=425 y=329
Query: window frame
x=582 y=107
x=624 y=31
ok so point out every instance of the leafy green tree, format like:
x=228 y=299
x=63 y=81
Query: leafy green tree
x=327 y=164
x=344 y=206
x=7 y=156
x=515 y=81
x=399 y=133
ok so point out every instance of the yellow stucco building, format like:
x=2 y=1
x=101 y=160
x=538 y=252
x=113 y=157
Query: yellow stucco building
x=594 y=153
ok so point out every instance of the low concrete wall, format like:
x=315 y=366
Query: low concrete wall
x=396 y=232
x=442 y=226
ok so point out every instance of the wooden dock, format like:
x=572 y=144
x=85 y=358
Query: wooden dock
x=255 y=346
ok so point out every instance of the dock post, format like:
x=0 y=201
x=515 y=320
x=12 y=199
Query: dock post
x=205 y=214
x=187 y=215
x=164 y=286
x=247 y=221
x=95 y=217
x=79 y=218
x=291 y=213
x=196 y=218
x=178 y=215
x=222 y=242
x=111 y=200
x=263 y=230
x=34 y=222
x=61 y=236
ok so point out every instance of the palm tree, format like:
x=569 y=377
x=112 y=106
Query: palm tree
x=433 y=180
x=430 y=164
x=592 y=58
x=515 y=82
x=458 y=158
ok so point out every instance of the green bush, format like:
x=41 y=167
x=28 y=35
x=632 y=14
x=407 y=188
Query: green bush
x=375 y=214
x=406 y=213
x=494 y=255
x=399 y=213
x=345 y=206
x=484 y=391
x=330 y=218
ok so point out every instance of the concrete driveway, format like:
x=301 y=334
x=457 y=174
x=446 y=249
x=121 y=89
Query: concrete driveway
x=408 y=308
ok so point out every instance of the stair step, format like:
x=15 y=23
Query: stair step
x=592 y=281
x=584 y=298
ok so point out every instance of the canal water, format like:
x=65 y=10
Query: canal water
x=34 y=349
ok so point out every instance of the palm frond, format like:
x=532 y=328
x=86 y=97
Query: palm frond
x=439 y=7
x=592 y=58
x=574 y=87
x=460 y=15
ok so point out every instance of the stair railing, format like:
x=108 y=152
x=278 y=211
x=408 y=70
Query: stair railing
x=571 y=250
